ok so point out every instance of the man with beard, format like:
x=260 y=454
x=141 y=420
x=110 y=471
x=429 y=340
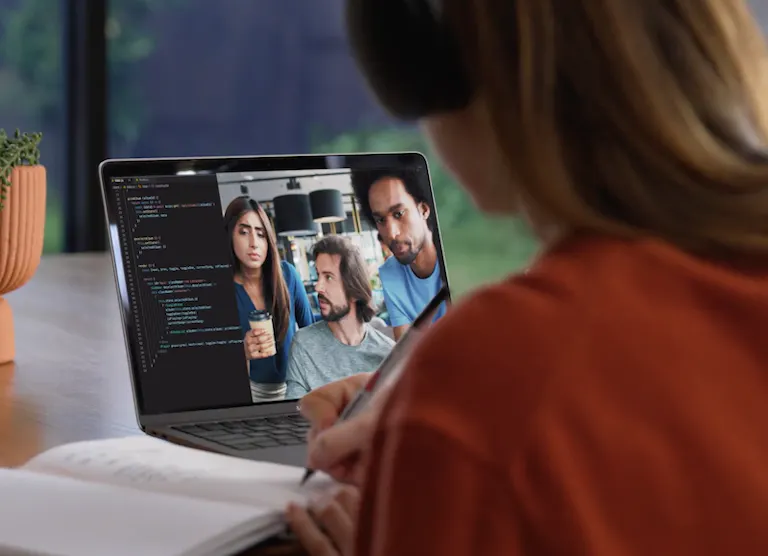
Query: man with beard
x=343 y=343
x=399 y=207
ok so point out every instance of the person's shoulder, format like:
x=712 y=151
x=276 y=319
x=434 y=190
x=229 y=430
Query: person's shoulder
x=289 y=271
x=311 y=333
x=378 y=337
x=516 y=311
x=484 y=362
x=292 y=277
x=571 y=285
x=520 y=313
x=495 y=353
x=390 y=268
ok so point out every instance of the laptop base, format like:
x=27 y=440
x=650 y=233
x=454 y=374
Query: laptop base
x=287 y=455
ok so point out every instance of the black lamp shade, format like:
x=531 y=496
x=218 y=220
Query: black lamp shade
x=293 y=216
x=327 y=206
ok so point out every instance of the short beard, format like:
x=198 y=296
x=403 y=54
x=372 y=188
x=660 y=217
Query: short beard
x=336 y=312
x=407 y=259
x=411 y=255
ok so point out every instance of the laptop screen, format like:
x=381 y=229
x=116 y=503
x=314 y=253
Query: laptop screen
x=257 y=286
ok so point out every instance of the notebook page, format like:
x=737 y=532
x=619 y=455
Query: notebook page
x=148 y=463
x=60 y=516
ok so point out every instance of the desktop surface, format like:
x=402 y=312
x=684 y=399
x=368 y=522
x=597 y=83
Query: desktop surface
x=69 y=381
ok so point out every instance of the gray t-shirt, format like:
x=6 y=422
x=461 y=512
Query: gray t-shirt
x=317 y=357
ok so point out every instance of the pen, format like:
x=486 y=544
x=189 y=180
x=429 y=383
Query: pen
x=391 y=363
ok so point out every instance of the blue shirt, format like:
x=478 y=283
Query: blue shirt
x=272 y=370
x=405 y=294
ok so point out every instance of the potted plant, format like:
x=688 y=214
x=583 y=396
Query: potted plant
x=22 y=222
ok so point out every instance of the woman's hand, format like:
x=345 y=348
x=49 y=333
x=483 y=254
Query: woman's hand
x=340 y=450
x=328 y=528
x=259 y=344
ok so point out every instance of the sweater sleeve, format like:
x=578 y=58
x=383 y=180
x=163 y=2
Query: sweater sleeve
x=446 y=501
x=439 y=477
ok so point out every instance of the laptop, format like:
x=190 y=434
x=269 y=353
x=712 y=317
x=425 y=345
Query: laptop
x=183 y=287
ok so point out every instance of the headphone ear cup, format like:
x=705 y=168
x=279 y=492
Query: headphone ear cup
x=408 y=56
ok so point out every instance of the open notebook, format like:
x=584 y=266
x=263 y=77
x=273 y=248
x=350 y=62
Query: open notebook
x=141 y=495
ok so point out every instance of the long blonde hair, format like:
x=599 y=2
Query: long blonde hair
x=629 y=117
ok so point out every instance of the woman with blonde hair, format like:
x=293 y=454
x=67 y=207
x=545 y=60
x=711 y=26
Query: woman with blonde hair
x=619 y=399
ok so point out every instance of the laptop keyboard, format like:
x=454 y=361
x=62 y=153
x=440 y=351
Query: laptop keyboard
x=249 y=434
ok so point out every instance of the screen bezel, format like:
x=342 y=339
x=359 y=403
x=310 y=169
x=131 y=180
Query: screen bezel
x=158 y=167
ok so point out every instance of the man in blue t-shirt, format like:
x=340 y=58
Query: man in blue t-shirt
x=394 y=202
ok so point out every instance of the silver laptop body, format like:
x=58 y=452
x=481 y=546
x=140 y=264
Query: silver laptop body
x=190 y=379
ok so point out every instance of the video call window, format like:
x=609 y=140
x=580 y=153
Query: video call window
x=323 y=269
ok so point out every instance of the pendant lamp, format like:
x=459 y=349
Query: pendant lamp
x=293 y=215
x=327 y=206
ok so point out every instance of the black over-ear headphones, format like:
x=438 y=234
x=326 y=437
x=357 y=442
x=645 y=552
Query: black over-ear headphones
x=408 y=55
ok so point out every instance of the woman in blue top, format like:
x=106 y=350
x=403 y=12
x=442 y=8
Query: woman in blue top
x=263 y=282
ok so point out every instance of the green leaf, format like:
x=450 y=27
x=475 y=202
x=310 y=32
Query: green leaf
x=22 y=149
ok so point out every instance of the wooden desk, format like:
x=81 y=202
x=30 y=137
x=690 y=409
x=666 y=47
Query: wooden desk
x=70 y=378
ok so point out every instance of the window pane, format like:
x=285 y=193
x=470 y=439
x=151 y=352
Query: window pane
x=196 y=77
x=32 y=92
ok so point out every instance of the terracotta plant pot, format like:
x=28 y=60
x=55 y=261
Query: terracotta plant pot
x=22 y=227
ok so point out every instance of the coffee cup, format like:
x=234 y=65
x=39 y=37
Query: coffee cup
x=262 y=320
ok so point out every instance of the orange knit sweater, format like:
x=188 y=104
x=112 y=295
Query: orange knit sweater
x=612 y=401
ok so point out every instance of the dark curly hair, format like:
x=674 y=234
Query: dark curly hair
x=416 y=184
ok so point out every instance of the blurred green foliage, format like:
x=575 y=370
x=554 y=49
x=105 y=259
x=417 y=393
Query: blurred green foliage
x=478 y=248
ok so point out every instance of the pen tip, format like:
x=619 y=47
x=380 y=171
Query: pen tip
x=307 y=475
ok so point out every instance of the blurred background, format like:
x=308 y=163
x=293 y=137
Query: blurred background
x=126 y=78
